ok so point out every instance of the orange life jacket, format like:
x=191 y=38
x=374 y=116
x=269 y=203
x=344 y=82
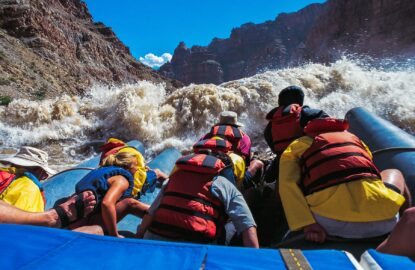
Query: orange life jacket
x=188 y=210
x=5 y=180
x=231 y=133
x=336 y=156
x=216 y=145
x=286 y=128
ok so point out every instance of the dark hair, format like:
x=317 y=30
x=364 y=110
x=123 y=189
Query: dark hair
x=291 y=95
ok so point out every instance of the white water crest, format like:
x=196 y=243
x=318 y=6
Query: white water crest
x=144 y=111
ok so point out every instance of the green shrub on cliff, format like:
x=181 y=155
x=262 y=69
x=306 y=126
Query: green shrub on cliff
x=5 y=100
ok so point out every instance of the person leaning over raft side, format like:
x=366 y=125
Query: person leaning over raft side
x=329 y=185
x=286 y=123
x=20 y=182
x=229 y=128
x=111 y=183
x=196 y=202
x=145 y=179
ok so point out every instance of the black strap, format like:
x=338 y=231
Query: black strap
x=189 y=212
x=329 y=146
x=209 y=161
x=339 y=175
x=294 y=259
x=192 y=198
x=63 y=217
x=79 y=206
x=391 y=149
x=307 y=169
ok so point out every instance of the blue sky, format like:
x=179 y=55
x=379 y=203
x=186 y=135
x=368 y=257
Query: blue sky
x=157 y=26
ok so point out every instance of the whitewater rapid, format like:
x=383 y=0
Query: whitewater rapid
x=66 y=125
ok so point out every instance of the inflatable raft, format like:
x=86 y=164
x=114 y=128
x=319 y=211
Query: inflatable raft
x=30 y=247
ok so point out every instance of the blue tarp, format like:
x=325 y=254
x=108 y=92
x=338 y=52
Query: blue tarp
x=31 y=247
x=391 y=262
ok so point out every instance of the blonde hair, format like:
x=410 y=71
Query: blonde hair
x=122 y=159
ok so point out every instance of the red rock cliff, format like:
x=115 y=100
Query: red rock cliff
x=49 y=47
x=319 y=33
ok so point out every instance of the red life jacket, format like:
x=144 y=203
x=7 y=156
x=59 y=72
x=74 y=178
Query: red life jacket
x=188 y=210
x=5 y=180
x=286 y=128
x=216 y=145
x=336 y=156
x=231 y=133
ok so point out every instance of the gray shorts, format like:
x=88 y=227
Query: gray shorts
x=357 y=230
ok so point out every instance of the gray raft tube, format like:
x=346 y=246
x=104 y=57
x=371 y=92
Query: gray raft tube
x=63 y=184
x=392 y=147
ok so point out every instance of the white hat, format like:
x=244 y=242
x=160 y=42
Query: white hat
x=30 y=157
x=229 y=118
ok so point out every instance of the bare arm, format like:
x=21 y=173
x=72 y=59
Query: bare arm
x=118 y=184
x=250 y=238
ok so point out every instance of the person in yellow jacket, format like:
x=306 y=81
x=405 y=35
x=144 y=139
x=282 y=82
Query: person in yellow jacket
x=20 y=179
x=330 y=186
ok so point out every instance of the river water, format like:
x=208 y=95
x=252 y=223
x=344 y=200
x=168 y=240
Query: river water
x=70 y=128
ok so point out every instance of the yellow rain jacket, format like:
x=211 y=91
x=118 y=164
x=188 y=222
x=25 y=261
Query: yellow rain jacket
x=363 y=200
x=23 y=194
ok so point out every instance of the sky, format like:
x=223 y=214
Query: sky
x=152 y=29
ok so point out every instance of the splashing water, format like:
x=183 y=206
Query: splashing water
x=145 y=112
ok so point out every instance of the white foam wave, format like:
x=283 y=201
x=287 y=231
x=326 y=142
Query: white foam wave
x=144 y=111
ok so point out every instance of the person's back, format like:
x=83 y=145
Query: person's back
x=286 y=123
x=188 y=211
x=331 y=169
x=194 y=205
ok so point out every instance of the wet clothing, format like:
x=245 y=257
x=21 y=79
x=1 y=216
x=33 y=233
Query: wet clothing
x=232 y=200
x=24 y=192
x=97 y=182
x=363 y=200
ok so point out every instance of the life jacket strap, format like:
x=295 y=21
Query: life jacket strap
x=188 y=212
x=193 y=198
x=326 y=181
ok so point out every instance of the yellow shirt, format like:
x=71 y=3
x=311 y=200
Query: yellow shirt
x=238 y=169
x=24 y=194
x=363 y=200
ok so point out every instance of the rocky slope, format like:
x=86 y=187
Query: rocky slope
x=50 y=47
x=319 y=33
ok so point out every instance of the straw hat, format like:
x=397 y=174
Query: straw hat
x=30 y=157
x=229 y=118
